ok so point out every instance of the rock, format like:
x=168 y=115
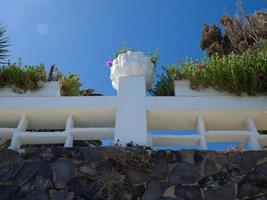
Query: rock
x=198 y=158
x=92 y=154
x=247 y=189
x=59 y=195
x=262 y=168
x=154 y=190
x=6 y=171
x=188 y=192
x=63 y=171
x=170 y=192
x=27 y=171
x=184 y=173
x=247 y=161
x=168 y=198
x=187 y=156
x=37 y=195
x=39 y=154
x=174 y=157
x=87 y=169
x=160 y=170
x=225 y=192
x=7 y=191
x=136 y=177
x=8 y=156
x=83 y=187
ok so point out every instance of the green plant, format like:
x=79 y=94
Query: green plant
x=21 y=79
x=164 y=85
x=3 y=44
x=70 y=84
x=237 y=74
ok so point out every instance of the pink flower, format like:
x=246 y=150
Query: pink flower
x=109 y=63
x=260 y=74
x=201 y=66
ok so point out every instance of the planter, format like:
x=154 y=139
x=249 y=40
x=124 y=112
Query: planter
x=131 y=64
x=50 y=89
x=182 y=89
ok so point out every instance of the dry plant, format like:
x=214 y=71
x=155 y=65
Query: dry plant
x=109 y=182
x=131 y=158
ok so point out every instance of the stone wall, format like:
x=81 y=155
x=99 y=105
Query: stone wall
x=131 y=173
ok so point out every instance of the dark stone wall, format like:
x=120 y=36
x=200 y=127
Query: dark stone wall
x=132 y=173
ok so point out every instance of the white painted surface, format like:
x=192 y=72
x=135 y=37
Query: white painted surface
x=131 y=122
x=129 y=115
x=131 y=64
x=49 y=89
x=183 y=89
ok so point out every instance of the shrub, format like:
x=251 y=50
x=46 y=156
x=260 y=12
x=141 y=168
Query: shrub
x=242 y=33
x=33 y=77
x=70 y=84
x=237 y=74
x=22 y=79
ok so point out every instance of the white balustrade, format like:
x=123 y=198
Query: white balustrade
x=129 y=116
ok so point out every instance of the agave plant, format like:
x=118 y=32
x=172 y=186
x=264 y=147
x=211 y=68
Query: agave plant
x=3 y=44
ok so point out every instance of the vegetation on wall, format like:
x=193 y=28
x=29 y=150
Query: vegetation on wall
x=237 y=74
x=32 y=77
x=241 y=33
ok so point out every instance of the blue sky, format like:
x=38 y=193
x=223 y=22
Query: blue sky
x=81 y=35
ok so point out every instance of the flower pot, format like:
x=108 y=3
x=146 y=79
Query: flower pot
x=182 y=89
x=49 y=89
x=131 y=64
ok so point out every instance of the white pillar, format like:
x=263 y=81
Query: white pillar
x=201 y=131
x=22 y=126
x=253 y=143
x=131 y=119
x=69 y=136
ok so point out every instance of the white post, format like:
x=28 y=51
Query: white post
x=253 y=143
x=131 y=119
x=69 y=136
x=201 y=131
x=22 y=126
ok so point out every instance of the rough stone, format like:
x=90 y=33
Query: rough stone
x=83 y=187
x=160 y=170
x=154 y=190
x=188 y=192
x=136 y=177
x=40 y=195
x=224 y=192
x=8 y=156
x=184 y=173
x=63 y=171
x=174 y=157
x=247 y=189
x=92 y=154
x=7 y=191
x=262 y=168
x=50 y=173
x=27 y=171
x=248 y=160
x=59 y=195
x=87 y=169
x=6 y=171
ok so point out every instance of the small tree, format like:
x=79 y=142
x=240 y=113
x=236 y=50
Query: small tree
x=242 y=33
x=3 y=44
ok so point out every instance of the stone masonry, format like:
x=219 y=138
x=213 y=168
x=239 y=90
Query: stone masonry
x=97 y=173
